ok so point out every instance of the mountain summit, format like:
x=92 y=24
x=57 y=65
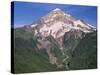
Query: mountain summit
x=57 y=9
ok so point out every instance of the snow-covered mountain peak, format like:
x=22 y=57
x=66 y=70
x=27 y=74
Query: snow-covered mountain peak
x=56 y=15
x=57 y=9
x=57 y=23
x=59 y=12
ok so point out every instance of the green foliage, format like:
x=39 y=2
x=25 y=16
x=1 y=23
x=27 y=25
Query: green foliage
x=31 y=62
x=85 y=54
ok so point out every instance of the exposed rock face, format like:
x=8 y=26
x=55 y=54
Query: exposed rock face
x=57 y=23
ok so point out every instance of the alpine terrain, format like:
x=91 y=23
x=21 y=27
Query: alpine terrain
x=57 y=41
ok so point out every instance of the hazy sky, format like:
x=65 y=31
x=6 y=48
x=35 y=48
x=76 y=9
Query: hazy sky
x=26 y=12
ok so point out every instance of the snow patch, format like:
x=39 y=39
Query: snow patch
x=57 y=9
x=91 y=26
x=34 y=25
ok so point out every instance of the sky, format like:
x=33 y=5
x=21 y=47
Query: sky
x=25 y=13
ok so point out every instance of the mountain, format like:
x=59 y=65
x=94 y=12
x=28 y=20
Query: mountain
x=53 y=43
x=57 y=21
